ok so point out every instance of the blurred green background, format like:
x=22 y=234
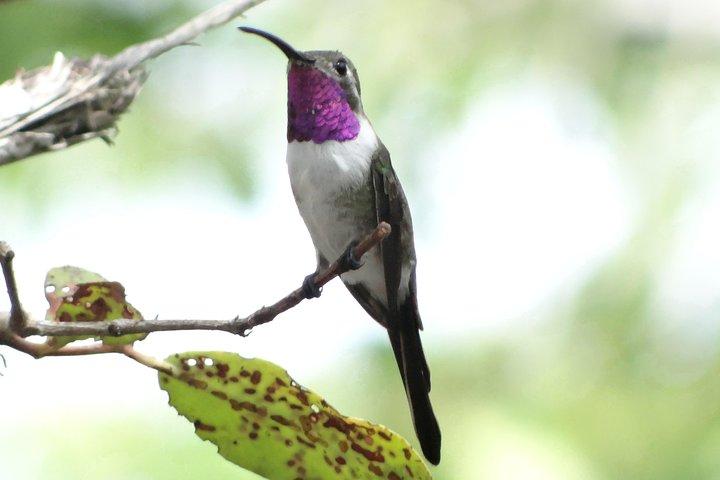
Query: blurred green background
x=562 y=162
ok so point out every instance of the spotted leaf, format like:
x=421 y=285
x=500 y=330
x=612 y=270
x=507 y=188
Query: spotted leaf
x=262 y=420
x=77 y=295
x=61 y=282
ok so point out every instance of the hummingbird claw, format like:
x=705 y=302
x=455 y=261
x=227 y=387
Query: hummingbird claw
x=310 y=290
x=348 y=260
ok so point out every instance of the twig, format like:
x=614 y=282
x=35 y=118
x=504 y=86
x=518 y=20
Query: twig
x=74 y=100
x=266 y=314
x=18 y=319
x=216 y=16
x=40 y=350
x=237 y=325
x=148 y=361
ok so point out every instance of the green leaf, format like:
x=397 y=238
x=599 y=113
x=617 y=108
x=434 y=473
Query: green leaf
x=262 y=420
x=59 y=280
x=77 y=295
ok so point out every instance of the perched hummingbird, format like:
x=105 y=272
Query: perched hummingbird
x=344 y=185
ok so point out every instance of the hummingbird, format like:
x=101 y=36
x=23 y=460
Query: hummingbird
x=344 y=185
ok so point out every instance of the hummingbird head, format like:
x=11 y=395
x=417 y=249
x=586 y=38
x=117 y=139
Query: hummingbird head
x=323 y=93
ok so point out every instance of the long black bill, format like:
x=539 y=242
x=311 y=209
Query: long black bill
x=288 y=50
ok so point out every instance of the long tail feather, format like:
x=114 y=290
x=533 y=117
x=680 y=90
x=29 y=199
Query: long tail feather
x=405 y=340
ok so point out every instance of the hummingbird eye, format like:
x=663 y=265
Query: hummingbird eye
x=341 y=67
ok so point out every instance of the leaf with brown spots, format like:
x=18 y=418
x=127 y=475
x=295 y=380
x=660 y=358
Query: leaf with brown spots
x=262 y=420
x=77 y=295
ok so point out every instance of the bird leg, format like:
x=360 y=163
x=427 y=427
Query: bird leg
x=348 y=260
x=310 y=290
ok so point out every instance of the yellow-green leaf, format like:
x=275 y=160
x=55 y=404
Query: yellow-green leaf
x=262 y=420
x=57 y=279
x=77 y=295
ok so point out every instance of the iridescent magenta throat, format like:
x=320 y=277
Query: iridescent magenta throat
x=317 y=108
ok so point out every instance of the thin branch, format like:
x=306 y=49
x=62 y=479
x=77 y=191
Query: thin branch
x=40 y=350
x=74 y=100
x=18 y=319
x=267 y=314
x=237 y=325
x=149 y=361
x=216 y=16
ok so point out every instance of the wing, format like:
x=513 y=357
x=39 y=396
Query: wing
x=402 y=317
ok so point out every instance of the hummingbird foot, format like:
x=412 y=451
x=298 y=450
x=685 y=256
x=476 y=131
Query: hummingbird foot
x=310 y=290
x=348 y=260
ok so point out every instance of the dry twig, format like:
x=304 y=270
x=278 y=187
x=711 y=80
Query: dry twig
x=17 y=319
x=53 y=107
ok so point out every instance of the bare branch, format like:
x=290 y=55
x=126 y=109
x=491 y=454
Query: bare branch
x=267 y=314
x=237 y=325
x=17 y=319
x=40 y=350
x=70 y=101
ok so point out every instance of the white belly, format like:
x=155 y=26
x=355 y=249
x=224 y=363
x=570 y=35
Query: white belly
x=321 y=175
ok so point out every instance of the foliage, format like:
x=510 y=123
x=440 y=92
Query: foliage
x=264 y=421
x=78 y=295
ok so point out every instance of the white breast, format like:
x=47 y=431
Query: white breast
x=318 y=172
